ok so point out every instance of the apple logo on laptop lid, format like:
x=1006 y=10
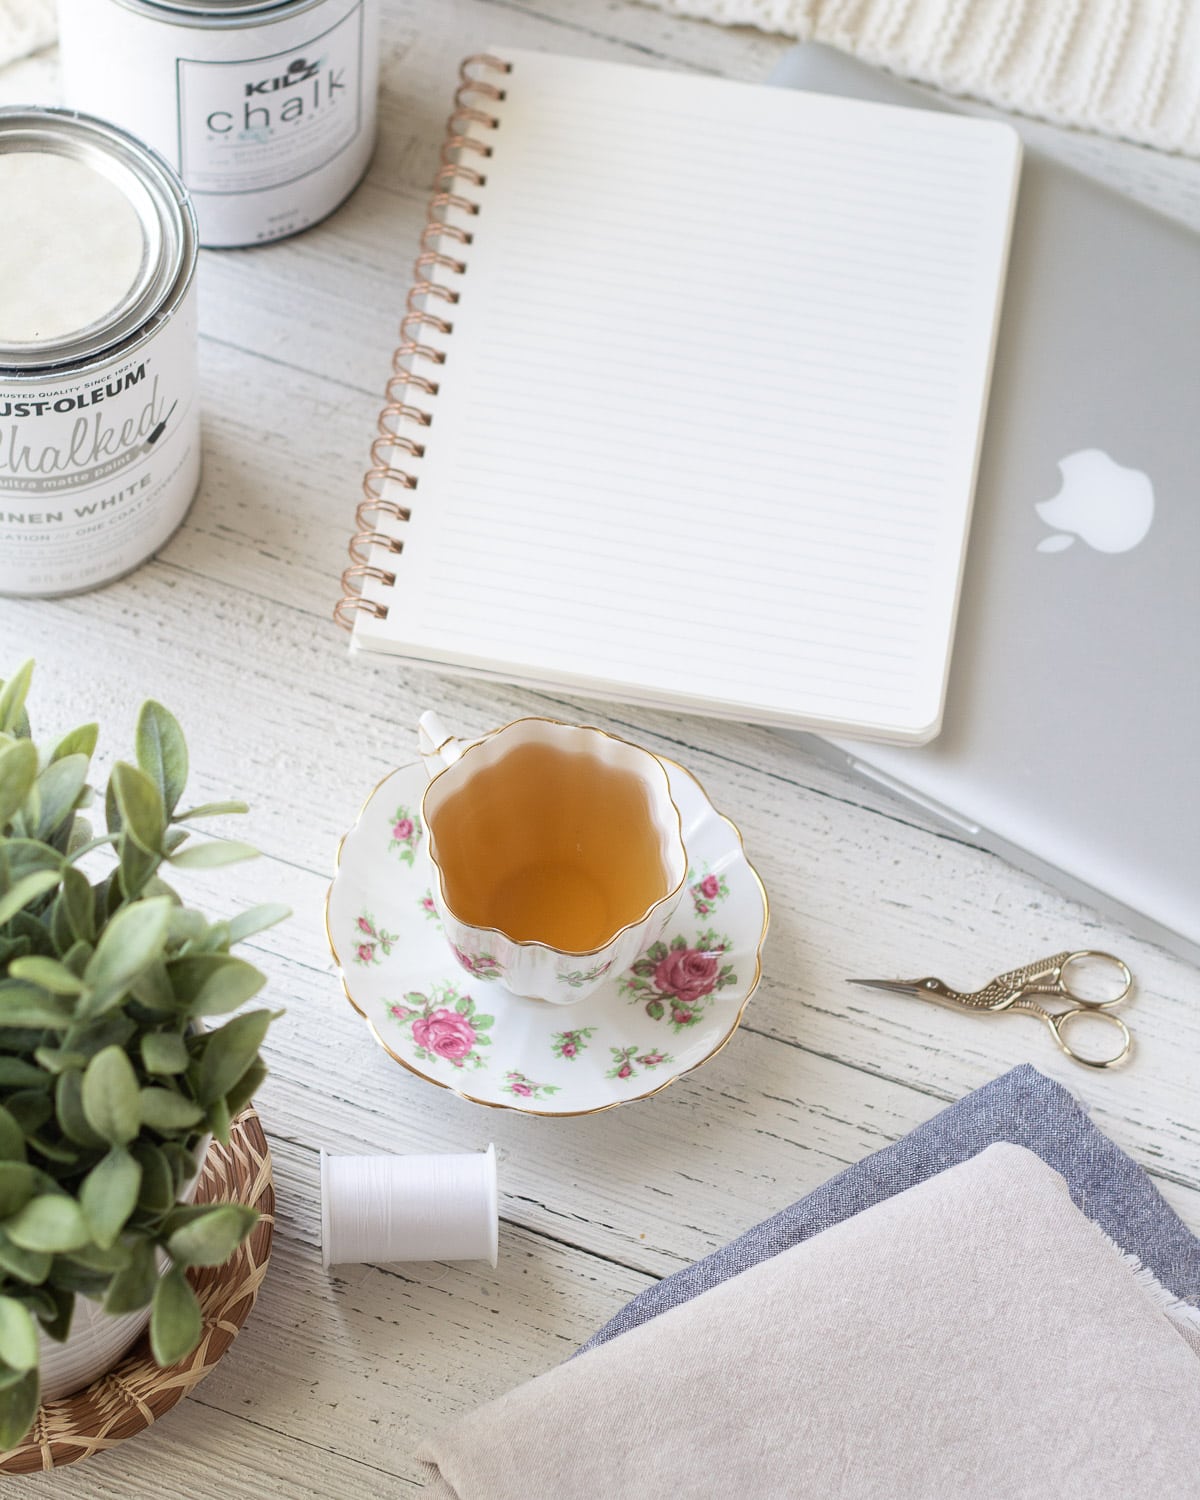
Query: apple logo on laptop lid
x=1109 y=506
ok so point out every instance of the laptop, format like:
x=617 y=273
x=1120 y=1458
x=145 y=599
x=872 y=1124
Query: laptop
x=1071 y=742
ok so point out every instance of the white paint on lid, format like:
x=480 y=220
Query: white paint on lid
x=72 y=247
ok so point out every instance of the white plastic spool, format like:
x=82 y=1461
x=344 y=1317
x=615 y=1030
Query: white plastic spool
x=382 y=1209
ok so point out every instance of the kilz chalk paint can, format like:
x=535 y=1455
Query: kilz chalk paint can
x=99 y=412
x=266 y=108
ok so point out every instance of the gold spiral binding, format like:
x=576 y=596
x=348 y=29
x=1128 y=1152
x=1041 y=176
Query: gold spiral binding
x=375 y=506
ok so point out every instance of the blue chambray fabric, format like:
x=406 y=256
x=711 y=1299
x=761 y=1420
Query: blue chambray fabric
x=1023 y=1107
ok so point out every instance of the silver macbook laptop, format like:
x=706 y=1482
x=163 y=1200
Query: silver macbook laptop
x=1071 y=742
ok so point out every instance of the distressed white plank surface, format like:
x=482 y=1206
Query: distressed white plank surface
x=335 y=1378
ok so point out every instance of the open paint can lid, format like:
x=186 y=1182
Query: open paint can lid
x=98 y=237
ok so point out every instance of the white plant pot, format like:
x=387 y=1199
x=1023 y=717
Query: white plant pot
x=97 y=1341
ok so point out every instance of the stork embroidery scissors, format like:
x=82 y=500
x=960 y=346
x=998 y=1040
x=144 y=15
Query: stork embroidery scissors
x=1015 y=990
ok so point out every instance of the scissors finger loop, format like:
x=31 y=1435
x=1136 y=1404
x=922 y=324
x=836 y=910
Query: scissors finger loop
x=1106 y=960
x=1058 y=1024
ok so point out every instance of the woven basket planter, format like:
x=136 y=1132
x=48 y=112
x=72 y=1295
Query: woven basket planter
x=135 y=1392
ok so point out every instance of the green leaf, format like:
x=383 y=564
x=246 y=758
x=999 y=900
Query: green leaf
x=212 y=1237
x=175 y=1321
x=25 y=892
x=110 y=1096
x=256 y=919
x=245 y=1088
x=211 y=810
x=90 y=1037
x=18 y=772
x=51 y=1222
x=18 y=1183
x=27 y=1006
x=164 y=1052
x=213 y=855
x=89 y=1258
x=229 y=1052
x=12 y=1138
x=185 y=926
x=12 y=700
x=162 y=752
x=220 y=1120
x=18 y=1407
x=136 y=870
x=143 y=818
x=79 y=903
x=29 y=1266
x=152 y=990
x=48 y=973
x=18 y=1335
x=157 y=1192
x=30 y=1108
x=58 y=1324
x=57 y=1060
x=109 y=1195
x=81 y=741
x=112 y=812
x=130 y=943
x=16 y=1073
x=212 y=984
x=60 y=787
x=165 y=1110
x=72 y=1117
x=133 y=1287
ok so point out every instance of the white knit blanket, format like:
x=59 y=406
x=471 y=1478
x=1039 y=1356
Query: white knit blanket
x=25 y=26
x=1128 y=68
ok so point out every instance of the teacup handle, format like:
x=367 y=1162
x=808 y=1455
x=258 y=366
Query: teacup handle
x=438 y=747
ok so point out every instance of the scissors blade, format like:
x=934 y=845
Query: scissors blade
x=904 y=986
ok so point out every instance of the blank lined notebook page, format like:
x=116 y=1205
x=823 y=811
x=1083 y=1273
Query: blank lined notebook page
x=706 y=429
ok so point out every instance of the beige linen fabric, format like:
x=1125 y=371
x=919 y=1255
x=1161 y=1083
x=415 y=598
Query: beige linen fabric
x=1129 y=68
x=975 y=1336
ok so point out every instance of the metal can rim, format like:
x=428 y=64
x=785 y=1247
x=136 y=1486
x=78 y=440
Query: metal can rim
x=218 y=13
x=174 y=231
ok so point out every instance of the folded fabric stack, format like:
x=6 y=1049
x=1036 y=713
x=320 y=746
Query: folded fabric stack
x=999 y=1304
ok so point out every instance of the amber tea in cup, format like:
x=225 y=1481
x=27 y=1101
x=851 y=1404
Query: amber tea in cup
x=550 y=846
x=556 y=848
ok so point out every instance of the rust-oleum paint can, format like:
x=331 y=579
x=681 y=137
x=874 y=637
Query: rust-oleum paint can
x=99 y=410
x=266 y=108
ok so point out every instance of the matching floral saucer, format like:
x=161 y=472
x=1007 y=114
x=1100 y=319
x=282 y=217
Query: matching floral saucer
x=671 y=1010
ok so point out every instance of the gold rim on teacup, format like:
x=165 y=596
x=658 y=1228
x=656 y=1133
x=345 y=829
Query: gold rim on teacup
x=479 y=744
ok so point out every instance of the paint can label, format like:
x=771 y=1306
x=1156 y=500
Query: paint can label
x=268 y=121
x=98 y=467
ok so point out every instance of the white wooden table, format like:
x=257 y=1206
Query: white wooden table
x=335 y=1378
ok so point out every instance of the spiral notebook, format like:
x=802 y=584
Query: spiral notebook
x=690 y=398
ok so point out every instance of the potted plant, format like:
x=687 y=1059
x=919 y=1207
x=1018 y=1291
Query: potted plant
x=111 y=1080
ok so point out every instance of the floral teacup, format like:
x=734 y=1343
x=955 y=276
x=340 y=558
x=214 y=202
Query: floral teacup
x=556 y=852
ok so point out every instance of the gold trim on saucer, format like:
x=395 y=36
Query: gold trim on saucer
x=564 y=1114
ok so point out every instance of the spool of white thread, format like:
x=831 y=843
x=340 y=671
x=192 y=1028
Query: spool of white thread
x=392 y=1208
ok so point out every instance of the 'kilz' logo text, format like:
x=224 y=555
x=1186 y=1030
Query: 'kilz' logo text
x=298 y=71
x=325 y=88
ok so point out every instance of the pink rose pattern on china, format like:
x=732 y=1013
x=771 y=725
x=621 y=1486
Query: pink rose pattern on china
x=708 y=892
x=425 y=902
x=678 y=980
x=405 y=831
x=370 y=941
x=479 y=965
x=569 y=1044
x=626 y=1060
x=445 y=1026
x=521 y=1087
